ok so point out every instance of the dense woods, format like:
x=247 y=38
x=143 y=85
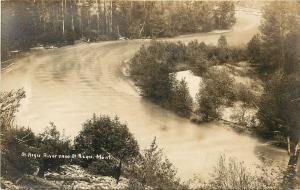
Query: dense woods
x=31 y=23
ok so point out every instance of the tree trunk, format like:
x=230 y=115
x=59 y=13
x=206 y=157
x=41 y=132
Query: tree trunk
x=80 y=19
x=111 y=20
x=63 y=17
x=44 y=19
x=289 y=180
x=98 y=17
x=118 y=172
x=72 y=16
x=289 y=144
x=118 y=30
x=106 y=20
x=41 y=172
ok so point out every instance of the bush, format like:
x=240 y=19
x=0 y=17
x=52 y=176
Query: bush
x=208 y=106
x=71 y=37
x=9 y=104
x=232 y=174
x=244 y=118
x=218 y=91
x=254 y=50
x=223 y=53
x=51 y=141
x=245 y=95
x=238 y=54
x=103 y=167
x=153 y=170
x=108 y=137
x=13 y=143
x=200 y=65
x=14 y=140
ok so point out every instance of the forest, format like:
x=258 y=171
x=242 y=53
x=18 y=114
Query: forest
x=31 y=23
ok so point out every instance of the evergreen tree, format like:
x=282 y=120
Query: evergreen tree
x=64 y=21
x=200 y=65
x=279 y=20
x=152 y=169
x=254 y=50
x=108 y=137
x=218 y=91
x=224 y=15
x=14 y=140
x=52 y=142
x=223 y=54
x=222 y=42
x=280 y=105
x=154 y=72
x=182 y=102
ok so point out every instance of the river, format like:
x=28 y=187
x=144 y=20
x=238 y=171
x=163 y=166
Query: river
x=67 y=85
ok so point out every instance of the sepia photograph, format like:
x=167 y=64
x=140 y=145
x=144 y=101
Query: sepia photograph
x=150 y=94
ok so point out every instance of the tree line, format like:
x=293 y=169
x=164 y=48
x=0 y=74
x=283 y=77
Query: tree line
x=30 y=23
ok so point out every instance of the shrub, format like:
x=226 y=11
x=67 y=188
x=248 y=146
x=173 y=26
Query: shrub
x=51 y=141
x=103 y=167
x=9 y=103
x=245 y=95
x=218 y=91
x=208 y=106
x=153 y=170
x=108 y=137
x=200 y=65
x=223 y=53
x=254 y=50
x=13 y=143
x=195 y=49
x=232 y=174
x=238 y=54
x=14 y=140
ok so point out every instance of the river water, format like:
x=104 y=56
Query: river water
x=67 y=85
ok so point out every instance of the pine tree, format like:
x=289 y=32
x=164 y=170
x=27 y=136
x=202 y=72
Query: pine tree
x=182 y=102
x=279 y=20
x=254 y=50
x=108 y=137
x=152 y=169
x=279 y=106
x=223 y=49
x=224 y=15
